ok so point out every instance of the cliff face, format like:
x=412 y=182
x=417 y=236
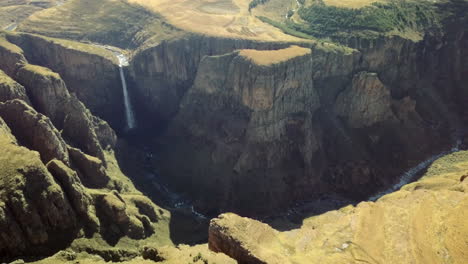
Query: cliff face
x=163 y=73
x=58 y=173
x=34 y=130
x=35 y=215
x=91 y=73
x=337 y=120
x=422 y=223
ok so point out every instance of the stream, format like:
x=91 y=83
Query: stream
x=411 y=174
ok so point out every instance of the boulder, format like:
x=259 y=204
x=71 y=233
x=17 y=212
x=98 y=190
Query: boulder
x=366 y=102
x=73 y=188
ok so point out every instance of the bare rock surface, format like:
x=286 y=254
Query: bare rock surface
x=366 y=102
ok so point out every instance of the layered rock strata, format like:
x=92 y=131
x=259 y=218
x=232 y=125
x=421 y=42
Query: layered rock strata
x=293 y=129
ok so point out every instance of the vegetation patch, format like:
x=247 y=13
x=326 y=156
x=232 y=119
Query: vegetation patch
x=381 y=17
x=287 y=27
x=321 y=20
x=255 y=3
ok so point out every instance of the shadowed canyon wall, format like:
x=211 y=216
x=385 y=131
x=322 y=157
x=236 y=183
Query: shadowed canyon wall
x=253 y=138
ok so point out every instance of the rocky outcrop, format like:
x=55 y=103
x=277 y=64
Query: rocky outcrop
x=240 y=123
x=34 y=130
x=46 y=90
x=89 y=71
x=164 y=72
x=35 y=215
x=239 y=237
x=9 y=89
x=128 y=215
x=12 y=57
x=50 y=96
x=242 y=108
x=44 y=208
x=91 y=169
x=422 y=223
x=76 y=193
x=78 y=128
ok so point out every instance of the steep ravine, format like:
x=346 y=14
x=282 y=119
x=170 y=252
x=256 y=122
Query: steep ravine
x=323 y=134
x=350 y=124
x=224 y=125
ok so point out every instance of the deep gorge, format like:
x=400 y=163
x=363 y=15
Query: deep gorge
x=118 y=146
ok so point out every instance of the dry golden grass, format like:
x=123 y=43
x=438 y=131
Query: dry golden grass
x=112 y=22
x=275 y=9
x=350 y=3
x=182 y=254
x=424 y=222
x=5 y=44
x=226 y=18
x=41 y=70
x=15 y=14
x=269 y=57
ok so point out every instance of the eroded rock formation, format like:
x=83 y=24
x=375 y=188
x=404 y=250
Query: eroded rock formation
x=54 y=168
x=35 y=215
x=9 y=89
x=34 y=130
x=90 y=72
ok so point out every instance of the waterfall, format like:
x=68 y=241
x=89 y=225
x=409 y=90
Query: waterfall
x=128 y=105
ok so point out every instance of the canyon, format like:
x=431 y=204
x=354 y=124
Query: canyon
x=215 y=134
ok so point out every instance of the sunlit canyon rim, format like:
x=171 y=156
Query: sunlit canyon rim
x=224 y=131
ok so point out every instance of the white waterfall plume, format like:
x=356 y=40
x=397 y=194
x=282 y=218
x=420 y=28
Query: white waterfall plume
x=127 y=103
